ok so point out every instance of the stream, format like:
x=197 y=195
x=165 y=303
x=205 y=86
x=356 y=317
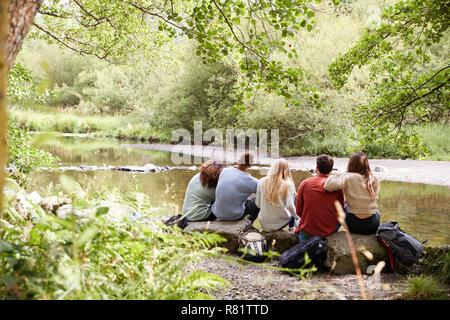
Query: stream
x=422 y=210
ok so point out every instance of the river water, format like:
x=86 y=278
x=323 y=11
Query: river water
x=421 y=210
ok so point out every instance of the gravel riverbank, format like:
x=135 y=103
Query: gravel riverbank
x=417 y=171
x=257 y=282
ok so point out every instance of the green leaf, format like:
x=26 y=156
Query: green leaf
x=101 y=211
x=86 y=236
x=6 y=246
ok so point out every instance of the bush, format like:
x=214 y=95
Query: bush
x=199 y=93
x=22 y=88
x=106 y=255
x=23 y=156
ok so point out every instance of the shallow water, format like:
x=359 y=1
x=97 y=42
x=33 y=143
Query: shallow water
x=421 y=210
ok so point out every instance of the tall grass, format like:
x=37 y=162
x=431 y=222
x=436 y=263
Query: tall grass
x=424 y=287
x=116 y=126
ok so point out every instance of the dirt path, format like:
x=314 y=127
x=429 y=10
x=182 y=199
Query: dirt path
x=418 y=171
x=256 y=282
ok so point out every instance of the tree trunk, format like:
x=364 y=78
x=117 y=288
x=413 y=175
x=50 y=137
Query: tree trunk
x=4 y=66
x=16 y=17
x=22 y=13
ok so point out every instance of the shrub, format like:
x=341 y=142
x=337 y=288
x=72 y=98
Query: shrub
x=199 y=93
x=112 y=253
x=23 y=156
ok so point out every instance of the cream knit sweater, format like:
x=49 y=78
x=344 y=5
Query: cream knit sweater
x=355 y=190
x=272 y=218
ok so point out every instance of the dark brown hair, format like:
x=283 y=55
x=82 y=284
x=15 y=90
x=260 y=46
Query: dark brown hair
x=359 y=163
x=325 y=163
x=209 y=173
x=246 y=159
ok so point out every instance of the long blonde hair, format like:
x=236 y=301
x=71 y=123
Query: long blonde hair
x=278 y=183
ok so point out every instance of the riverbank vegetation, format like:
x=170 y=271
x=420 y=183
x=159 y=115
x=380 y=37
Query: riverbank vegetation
x=149 y=98
x=66 y=120
x=108 y=252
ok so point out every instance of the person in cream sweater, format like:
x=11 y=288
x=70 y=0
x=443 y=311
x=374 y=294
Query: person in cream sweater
x=361 y=190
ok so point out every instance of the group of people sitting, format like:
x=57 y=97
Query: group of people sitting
x=224 y=192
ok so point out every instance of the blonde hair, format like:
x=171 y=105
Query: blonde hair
x=278 y=183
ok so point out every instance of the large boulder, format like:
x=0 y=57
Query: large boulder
x=67 y=210
x=339 y=259
x=278 y=241
x=227 y=229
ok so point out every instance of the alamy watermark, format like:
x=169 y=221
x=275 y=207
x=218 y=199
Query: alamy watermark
x=212 y=144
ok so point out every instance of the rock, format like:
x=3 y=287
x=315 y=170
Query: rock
x=227 y=229
x=280 y=241
x=34 y=197
x=131 y=168
x=64 y=211
x=339 y=258
x=380 y=169
x=51 y=204
x=22 y=206
x=150 y=167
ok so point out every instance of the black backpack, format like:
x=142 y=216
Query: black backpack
x=178 y=220
x=253 y=244
x=404 y=248
x=315 y=247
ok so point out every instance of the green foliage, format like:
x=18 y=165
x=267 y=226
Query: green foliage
x=21 y=86
x=69 y=122
x=198 y=93
x=108 y=254
x=248 y=32
x=85 y=83
x=440 y=267
x=160 y=97
x=423 y=288
x=409 y=76
x=18 y=83
x=23 y=155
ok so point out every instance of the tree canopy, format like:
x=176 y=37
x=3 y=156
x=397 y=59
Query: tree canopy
x=408 y=83
x=249 y=33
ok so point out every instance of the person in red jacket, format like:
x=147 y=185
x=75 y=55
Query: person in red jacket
x=315 y=206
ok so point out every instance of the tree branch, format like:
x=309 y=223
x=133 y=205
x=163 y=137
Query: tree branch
x=81 y=51
x=52 y=14
x=234 y=34
x=158 y=16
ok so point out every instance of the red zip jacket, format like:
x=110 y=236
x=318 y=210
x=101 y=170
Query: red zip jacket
x=315 y=207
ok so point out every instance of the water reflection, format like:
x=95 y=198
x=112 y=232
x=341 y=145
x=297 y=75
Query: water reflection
x=422 y=210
